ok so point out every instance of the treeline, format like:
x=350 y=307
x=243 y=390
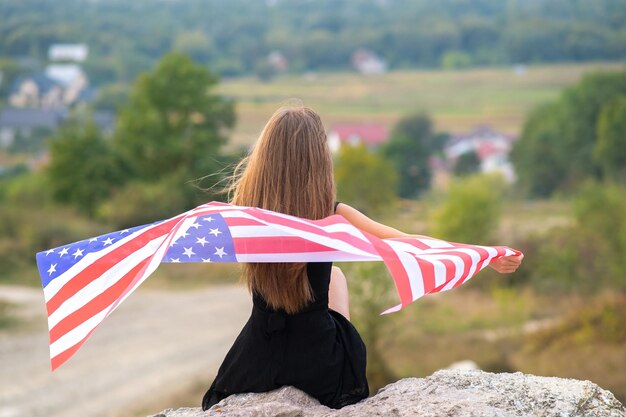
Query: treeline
x=235 y=37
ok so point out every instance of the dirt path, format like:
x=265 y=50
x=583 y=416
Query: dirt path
x=156 y=340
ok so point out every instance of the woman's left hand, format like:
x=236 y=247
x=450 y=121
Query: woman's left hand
x=507 y=264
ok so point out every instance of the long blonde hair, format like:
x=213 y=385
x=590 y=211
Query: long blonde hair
x=290 y=171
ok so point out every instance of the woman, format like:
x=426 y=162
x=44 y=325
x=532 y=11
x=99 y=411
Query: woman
x=299 y=332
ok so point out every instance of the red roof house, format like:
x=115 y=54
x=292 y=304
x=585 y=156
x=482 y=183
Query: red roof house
x=370 y=134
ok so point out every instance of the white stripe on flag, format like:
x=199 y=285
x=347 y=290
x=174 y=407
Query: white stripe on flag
x=326 y=256
x=56 y=284
x=75 y=335
x=102 y=283
x=330 y=242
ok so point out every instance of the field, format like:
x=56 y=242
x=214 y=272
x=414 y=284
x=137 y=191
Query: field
x=457 y=100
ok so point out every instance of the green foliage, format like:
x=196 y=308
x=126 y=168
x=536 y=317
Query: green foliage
x=539 y=163
x=196 y=44
x=471 y=210
x=372 y=292
x=9 y=71
x=456 y=60
x=29 y=189
x=411 y=145
x=111 y=97
x=468 y=163
x=144 y=202
x=556 y=149
x=600 y=211
x=83 y=168
x=233 y=35
x=172 y=123
x=602 y=320
x=583 y=104
x=610 y=148
x=26 y=226
x=587 y=255
x=365 y=180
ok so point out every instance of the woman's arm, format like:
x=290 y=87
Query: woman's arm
x=364 y=223
x=506 y=264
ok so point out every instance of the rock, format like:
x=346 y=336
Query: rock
x=466 y=365
x=451 y=393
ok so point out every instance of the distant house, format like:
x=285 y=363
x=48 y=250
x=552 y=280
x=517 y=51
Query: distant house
x=18 y=123
x=278 y=61
x=60 y=86
x=371 y=134
x=36 y=91
x=492 y=149
x=367 y=62
x=26 y=122
x=74 y=52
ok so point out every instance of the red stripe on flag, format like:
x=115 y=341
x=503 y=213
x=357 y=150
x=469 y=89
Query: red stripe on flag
x=343 y=236
x=450 y=268
x=96 y=305
x=242 y=221
x=413 y=242
x=395 y=267
x=58 y=360
x=276 y=244
x=104 y=263
x=428 y=274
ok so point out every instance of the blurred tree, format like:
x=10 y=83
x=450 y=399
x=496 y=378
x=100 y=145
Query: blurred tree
x=141 y=202
x=586 y=256
x=233 y=35
x=453 y=60
x=265 y=71
x=600 y=211
x=9 y=71
x=196 y=44
x=83 y=168
x=365 y=180
x=111 y=97
x=468 y=163
x=539 y=162
x=172 y=123
x=471 y=210
x=409 y=149
x=610 y=149
x=555 y=151
x=583 y=104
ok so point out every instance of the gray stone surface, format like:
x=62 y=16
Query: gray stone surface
x=449 y=393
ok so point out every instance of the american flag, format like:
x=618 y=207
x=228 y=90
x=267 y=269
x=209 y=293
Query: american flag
x=85 y=281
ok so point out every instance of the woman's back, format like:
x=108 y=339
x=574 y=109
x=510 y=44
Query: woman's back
x=316 y=350
x=292 y=338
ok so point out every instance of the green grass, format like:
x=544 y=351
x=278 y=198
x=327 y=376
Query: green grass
x=457 y=100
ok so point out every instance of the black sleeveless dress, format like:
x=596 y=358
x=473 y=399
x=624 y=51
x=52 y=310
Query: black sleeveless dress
x=316 y=350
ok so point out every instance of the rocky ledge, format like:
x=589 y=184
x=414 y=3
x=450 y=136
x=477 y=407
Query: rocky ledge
x=450 y=393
